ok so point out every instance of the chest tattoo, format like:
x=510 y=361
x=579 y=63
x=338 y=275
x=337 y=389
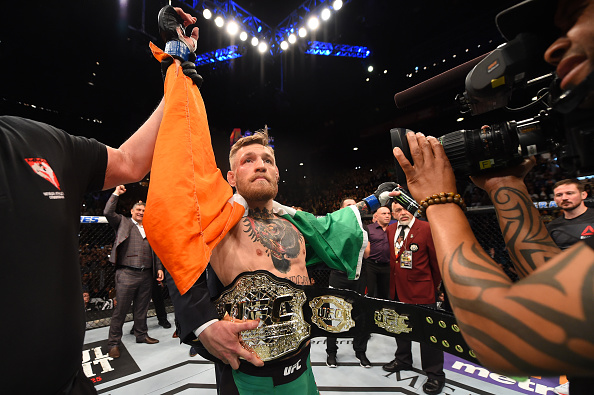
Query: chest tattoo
x=279 y=237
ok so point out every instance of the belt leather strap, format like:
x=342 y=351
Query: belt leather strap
x=282 y=371
x=291 y=314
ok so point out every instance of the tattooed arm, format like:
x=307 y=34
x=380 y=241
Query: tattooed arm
x=363 y=207
x=526 y=237
x=537 y=325
x=380 y=197
x=541 y=324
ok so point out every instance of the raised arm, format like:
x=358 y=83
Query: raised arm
x=379 y=198
x=184 y=227
x=541 y=324
x=112 y=217
x=132 y=161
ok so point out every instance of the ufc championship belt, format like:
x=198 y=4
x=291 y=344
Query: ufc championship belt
x=291 y=314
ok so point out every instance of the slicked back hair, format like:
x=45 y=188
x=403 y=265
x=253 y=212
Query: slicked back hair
x=260 y=137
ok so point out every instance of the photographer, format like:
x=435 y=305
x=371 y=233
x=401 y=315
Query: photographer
x=543 y=323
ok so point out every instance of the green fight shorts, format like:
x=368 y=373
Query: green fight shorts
x=288 y=376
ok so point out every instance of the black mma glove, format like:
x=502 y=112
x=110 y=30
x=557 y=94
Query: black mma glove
x=381 y=198
x=171 y=28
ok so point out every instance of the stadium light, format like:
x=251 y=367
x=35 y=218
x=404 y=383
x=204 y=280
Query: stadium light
x=262 y=47
x=232 y=28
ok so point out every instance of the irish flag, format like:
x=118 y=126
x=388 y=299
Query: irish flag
x=191 y=207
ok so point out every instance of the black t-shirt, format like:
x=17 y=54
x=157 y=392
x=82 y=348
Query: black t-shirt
x=590 y=242
x=567 y=232
x=44 y=173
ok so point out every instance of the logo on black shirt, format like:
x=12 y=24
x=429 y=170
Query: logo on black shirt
x=44 y=170
x=589 y=231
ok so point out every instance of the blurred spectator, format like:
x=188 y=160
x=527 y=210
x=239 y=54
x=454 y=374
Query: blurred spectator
x=103 y=279
x=86 y=277
x=87 y=299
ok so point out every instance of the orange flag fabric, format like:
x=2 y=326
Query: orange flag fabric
x=188 y=211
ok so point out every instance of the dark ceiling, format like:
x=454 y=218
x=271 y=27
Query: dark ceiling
x=90 y=61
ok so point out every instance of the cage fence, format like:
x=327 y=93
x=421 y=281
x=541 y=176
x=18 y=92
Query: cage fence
x=98 y=274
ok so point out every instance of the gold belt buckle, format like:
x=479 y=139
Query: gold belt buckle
x=278 y=305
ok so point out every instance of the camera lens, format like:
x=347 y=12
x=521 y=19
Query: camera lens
x=456 y=150
x=473 y=152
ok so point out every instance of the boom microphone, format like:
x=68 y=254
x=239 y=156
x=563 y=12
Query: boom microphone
x=436 y=85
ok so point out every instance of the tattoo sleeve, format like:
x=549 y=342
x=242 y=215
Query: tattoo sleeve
x=541 y=324
x=362 y=207
x=527 y=240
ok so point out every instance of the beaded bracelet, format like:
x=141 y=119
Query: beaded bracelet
x=441 y=198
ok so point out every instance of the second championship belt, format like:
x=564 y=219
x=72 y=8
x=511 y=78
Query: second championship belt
x=291 y=314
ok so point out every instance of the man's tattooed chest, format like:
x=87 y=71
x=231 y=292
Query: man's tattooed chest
x=280 y=238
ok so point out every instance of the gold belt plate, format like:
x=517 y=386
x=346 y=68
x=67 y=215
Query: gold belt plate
x=278 y=305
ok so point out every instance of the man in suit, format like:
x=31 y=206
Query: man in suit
x=414 y=278
x=136 y=267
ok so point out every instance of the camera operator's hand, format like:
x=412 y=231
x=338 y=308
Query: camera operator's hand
x=509 y=176
x=432 y=172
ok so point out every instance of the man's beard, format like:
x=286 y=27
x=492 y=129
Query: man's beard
x=258 y=192
x=571 y=207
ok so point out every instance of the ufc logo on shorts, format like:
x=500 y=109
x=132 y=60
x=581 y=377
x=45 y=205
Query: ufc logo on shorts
x=291 y=369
